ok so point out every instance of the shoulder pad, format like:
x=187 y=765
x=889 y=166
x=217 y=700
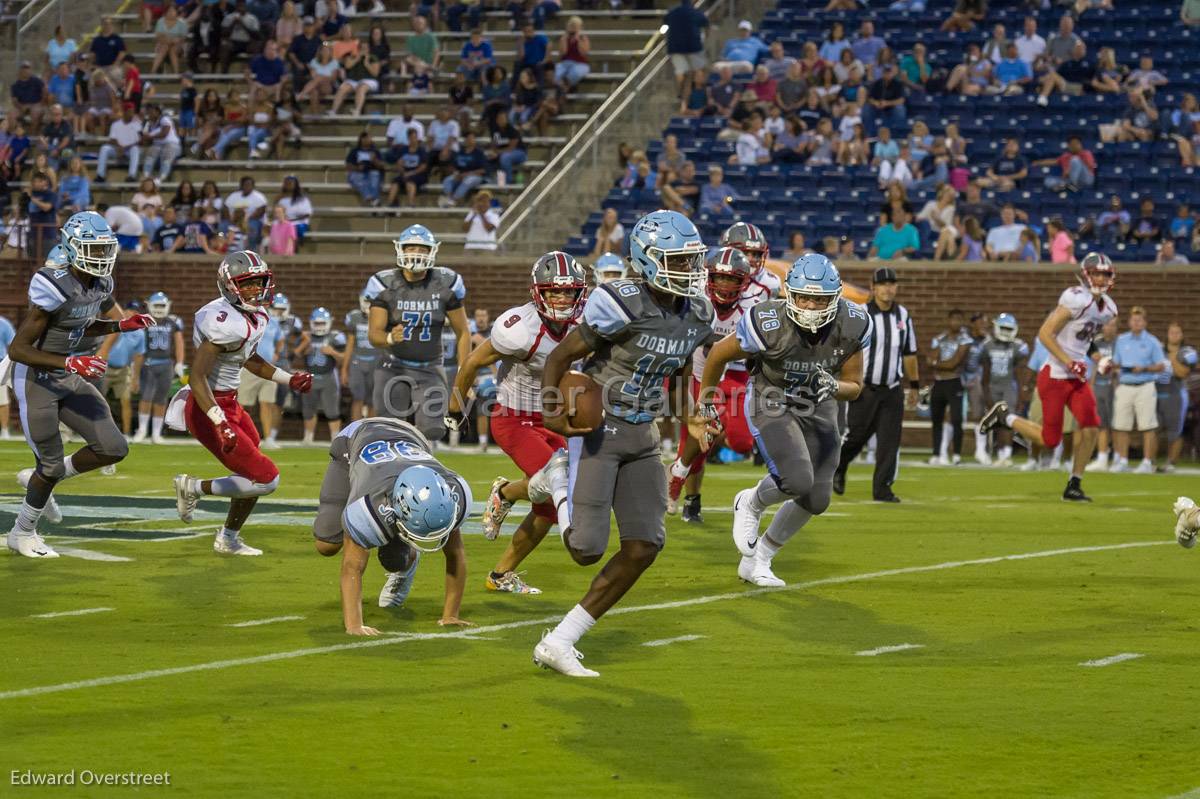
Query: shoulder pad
x=702 y=309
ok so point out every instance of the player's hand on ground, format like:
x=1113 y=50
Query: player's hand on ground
x=87 y=365
x=453 y=621
x=135 y=322
x=228 y=437
x=1078 y=370
x=301 y=381
x=362 y=629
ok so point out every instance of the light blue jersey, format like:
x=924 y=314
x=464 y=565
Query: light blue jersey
x=7 y=332
x=125 y=348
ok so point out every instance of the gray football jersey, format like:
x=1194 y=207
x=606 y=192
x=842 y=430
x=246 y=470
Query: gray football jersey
x=1003 y=358
x=636 y=344
x=786 y=358
x=948 y=343
x=72 y=306
x=318 y=362
x=356 y=323
x=973 y=363
x=377 y=451
x=420 y=310
x=160 y=339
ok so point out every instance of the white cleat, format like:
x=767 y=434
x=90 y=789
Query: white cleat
x=939 y=460
x=1187 y=525
x=1100 y=464
x=270 y=443
x=745 y=522
x=563 y=659
x=51 y=511
x=226 y=545
x=1031 y=465
x=752 y=571
x=157 y=440
x=1145 y=467
x=139 y=437
x=109 y=470
x=982 y=458
x=185 y=498
x=398 y=585
x=30 y=545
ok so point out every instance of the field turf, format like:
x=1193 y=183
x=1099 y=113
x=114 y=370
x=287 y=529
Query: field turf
x=762 y=694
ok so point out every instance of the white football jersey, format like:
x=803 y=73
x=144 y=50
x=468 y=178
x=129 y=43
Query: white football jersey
x=236 y=333
x=765 y=285
x=524 y=340
x=1088 y=315
x=722 y=324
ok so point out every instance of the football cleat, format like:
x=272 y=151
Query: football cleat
x=1145 y=467
x=1100 y=464
x=109 y=470
x=994 y=418
x=563 y=659
x=233 y=545
x=185 y=498
x=1074 y=492
x=139 y=436
x=30 y=545
x=398 y=584
x=839 y=482
x=1187 y=523
x=691 y=511
x=495 y=510
x=982 y=457
x=510 y=583
x=51 y=511
x=939 y=460
x=756 y=572
x=745 y=522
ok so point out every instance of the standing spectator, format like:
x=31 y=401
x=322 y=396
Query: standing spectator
x=866 y=44
x=266 y=73
x=170 y=33
x=74 y=189
x=1078 y=167
x=421 y=51
x=1007 y=171
x=481 y=222
x=161 y=141
x=295 y=202
x=1181 y=359
x=885 y=102
x=413 y=172
x=476 y=56
x=28 y=95
x=1147 y=228
x=131 y=89
x=1004 y=240
x=573 y=48
x=469 y=166
x=1060 y=241
x=364 y=169
x=125 y=223
x=289 y=26
x=533 y=51
x=43 y=216
x=685 y=41
x=253 y=204
x=124 y=142
x=1140 y=358
x=895 y=241
x=716 y=198
x=302 y=51
x=610 y=236
x=60 y=49
x=108 y=45
x=743 y=51
x=239 y=32
x=282 y=238
x=1030 y=45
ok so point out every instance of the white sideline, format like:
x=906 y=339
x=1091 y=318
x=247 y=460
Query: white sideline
x=883 y=650
x=676 y=640
x=117 y=679
x=91 y=554
x=1108 y=661
x=83 y=612
x=260 y=622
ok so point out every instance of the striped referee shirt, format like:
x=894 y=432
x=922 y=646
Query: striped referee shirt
x=892 y=338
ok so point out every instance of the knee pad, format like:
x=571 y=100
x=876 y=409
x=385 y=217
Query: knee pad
x=816 y=501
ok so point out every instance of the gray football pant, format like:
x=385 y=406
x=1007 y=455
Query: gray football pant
x=801 y=452
x=413 y=393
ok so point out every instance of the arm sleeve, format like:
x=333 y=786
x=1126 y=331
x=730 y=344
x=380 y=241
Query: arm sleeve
x=748 y=336
x=458 y=292
x=45 y=294
x=374 y=287
x=604 y=316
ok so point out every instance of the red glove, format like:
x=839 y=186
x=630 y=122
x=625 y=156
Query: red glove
x=135 y=322
x=87 y=365
x=228 y=437
x=301 y=381
x=1078 y=370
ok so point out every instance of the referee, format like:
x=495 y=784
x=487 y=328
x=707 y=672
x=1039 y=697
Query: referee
x=879 y=410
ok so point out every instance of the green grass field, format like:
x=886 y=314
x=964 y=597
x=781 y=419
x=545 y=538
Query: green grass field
x=768 y=697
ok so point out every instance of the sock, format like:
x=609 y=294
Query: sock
x=691 y=499
x=158 y=423
x=497 y=575
x=980 y=442
x=1075 y=481
x=766 y=494
x=143 y=423
x=679 y=470
x=273 y=436
x=766 y=550
x=27 y=519
x=563 y=508
x=1009 y=419
x=1058 y=451
x=577 y=622
x=788 y=520
x=232 y=486
x=483 y=440
x=227 y=533
x=69 y=468
x=1005 y=452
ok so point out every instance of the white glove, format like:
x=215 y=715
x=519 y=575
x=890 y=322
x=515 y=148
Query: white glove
x=179 y=370
x=826 y=385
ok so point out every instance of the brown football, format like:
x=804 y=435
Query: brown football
x=585 y=400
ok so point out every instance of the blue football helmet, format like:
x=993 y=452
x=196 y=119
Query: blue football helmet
x=424 y=510
x=57 y=258
x=812 y=276
x=609 y=266
x=666 y=251
x=416 y=249
x=90 y=244
x=281 y=306
x=320 y=321
x=1004 y=328
x=159 y=305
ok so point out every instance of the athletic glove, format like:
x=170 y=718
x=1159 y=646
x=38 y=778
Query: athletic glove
x=135 y=322
x=228 y=436
x=87 y=365
x=179 y=370
x=454 y=420
x=1078 y=370
x=301 y=381
x=825 y=384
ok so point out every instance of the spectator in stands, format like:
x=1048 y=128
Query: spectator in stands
x=1078 y=167
x=197 y=234
x=1062 y=60
x=897 y=171
x=43 y=216
x=124 y=143
x=681 y=190
x=671 y=159
x=866 y=44
x=1168 y=256
x=1140 y=121
x=973 y=76
x=289 y=25
x=412 y=173
x=848 y=71
x=885 y=102
x=444 y=135
x=360 y=72
x=1030 y=45
x=533 y=51
x=323 y=71
x=752 y=147
x=996 y=45
x=835 y=42
x=857 y=151
x=107 y=46
x=1189 y=12
x=1182 y=224
x=205 y=24
x=74 y=189
x=1060 y=242
x=915 y=71
x=161 y=141
x=210 y=115
x=934 y=169
x=253 y=203
x=940 y=213
x=723 y=94
x=481 y=222
x=473 y=9
x=461 y=94
x=763 y=86
x=42 y=164
x=170 y=33
x=779 y=63
x=1110 y=225
x=716 y=197
x=125 y=224
x=896 y=241
x=1108 y=76
x=1145 y=79
x=1012 y=74
x=282 y=236
x=237 y=119
x=378 y=47
x=240 y=30
x=475 y=56
x=1031 y=247
x=971 y=248
x=184 y=199
x=1147 y=228
x=610 y=236
x=526 y=99
x=882 y=61
x=1140 y=358
x=507 y=149
x=364 y=169
x=296 y=205
x=573 y=48
x=267 y=12
x=151 y=222
x=266 y=73
x=685 y=41
x=886 y=148
x=61 y=87
x=346 y=43
x=171 y=229
x=59 y=50
x=28 y=93
x=822 y=144
x=131 y=91
x=811 y=63
x=1008 y=170
x=965 y=15
x=495 y=95
x=743 y=51
x=469 y=166
x=57 y=138
x=1004 y=240
x=796 y=246
x=210 y=206
x=302 y=51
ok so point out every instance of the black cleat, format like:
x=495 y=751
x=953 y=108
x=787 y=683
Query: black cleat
x=888 y=498
x=839 y=482
x=994 y=417
x=690 y=510
x=1074 y=492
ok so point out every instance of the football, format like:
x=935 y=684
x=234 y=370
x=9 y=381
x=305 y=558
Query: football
x=585 y=400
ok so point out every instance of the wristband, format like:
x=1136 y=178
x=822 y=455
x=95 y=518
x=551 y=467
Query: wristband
x=914 y=384
x=215 y=415
x=281 y=377
x=390 y=340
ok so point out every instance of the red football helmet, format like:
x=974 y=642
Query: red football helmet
x=729 y=271
x=1099 y=274
x=556 y=271
x=750 y=240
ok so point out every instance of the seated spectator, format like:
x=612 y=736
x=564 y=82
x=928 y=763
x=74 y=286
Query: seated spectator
x=124 y=143
x=886 y=148
x=671 y=159
x=1147 y=227
x=526 y=99
x=885 y=102
x=151 y=222
x=866 y=44
x=973 y=76
x=796 y=247
x=303 y=51
x=210 y=206
x=915 y=71
x=696 y=101
x=469 y=166
x=481 y=222
x=774 y=125
x=835 y=42
x=681 y=190
x=1110 y=225
x=716 y=198
x=170 y=33
x=1063 y=60
x=267 y=12
x=495 y=95
x=1168 y=256
x=472 y=9
x=763 y=86
x=846 y=245
x=507 y=149
x=1011 y=73
x=1060 y=242
x=421 y=51
x=58 y=137
x=1109 y=75
x=939 y=214
x=742 y=52
x=283 y=128
x=1007 y=171
x=1139 y=123
x=1004 y=240
x=1145 y=79
x=282 y=237
x=107 y=46
x=412 y=173
x=934 y=169
x=475 y=56
x=896 y=241
x=289 y=25
x=965 y=15
x=533 y=52
x=573 y=48
x=1188 y=148
x=886 y=58
x=723 y=95
x=297 y=205
x=364 y=169
x=848 y=71
x=184 y=200
x=752 y=147
x=266 y=73
x=240 y=31
x=610 y=236
x=1031 y=247
x=857 y=151
x=974 y=205
x=1078 y=168
x=161 y=141
x=61 y=87
x=346 y=43
x=778 y=63
x=361 y=77
x=253 y=204
x=147 y=194
x=74 y=188
x=196 y=238
x=236 y=125
x=971 y=248
x=746 y=105
x=811 y=63
x=404 y=123
x=1030 y=45
x=822 y=144
x=169 y=229
x=444 y=135
x=28 y=93
x=381 y=51
x=1182 y=224
x=898 y=171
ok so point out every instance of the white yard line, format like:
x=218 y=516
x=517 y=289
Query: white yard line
x=883 y=650
x=1108 y=661
x=260 y=622
x=272 y=657
x=90 y=554
x=61 y=613
x=676 y=640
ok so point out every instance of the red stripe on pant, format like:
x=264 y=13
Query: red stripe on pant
x=530 y=445
x=730 y=404
x=246 y=459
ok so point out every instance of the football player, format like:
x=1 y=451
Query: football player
x=225 y=335
x=1004 y=355
x=358 y=371
x=161 y=364
x=634 y=335
x=383 y=489
x=522 y=339
x=409 y=307
x=323 y=356
x=291 y=337
x=1067 y=336
x=728 y=278
x=609 y=267
x=807 y=351
x=1187 y=522
x=70 y=301
x=764 y=284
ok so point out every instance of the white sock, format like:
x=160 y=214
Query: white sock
x=1010 y=418
x=273 y=436
x=788 y=520
x=766 y=550
x=1005 y=452
x=766 y=494
x=1058 y=452
x=143 y=423
x=981 y=442
x=69 y=469
x=483 y=440
x=158 y=423
x=227 y=533
x=577 y=622
x=27 y=519
x=680 y=469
